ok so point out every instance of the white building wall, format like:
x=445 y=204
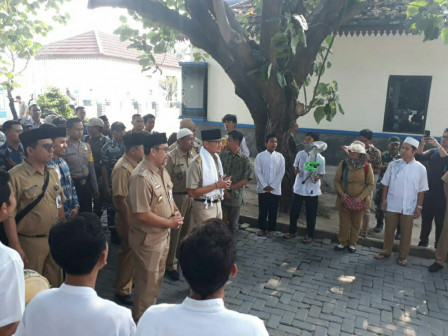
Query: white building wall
x=119 y=81
x=361 y=66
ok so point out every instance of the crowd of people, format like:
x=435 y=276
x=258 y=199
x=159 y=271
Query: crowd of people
x=174 y=206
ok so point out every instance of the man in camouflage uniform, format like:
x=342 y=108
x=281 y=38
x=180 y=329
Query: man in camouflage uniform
x=111 y=152
x=236 y=164
x=374 y=154
x=392 y=154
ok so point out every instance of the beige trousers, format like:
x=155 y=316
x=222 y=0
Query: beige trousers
x=125 y=261
x=151 y=251
x=185 y=205
x=442 y=244
x=406 y=224
x=40 y=260
x=349 y=226
x=201 y=214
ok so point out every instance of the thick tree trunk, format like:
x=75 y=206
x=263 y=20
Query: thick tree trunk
x=11 y=105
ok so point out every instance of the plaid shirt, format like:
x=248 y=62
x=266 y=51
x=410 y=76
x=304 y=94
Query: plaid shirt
x=9 y=157
x=66 y=182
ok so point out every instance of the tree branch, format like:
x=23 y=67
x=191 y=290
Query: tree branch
x=270 y=10
x=221 y=19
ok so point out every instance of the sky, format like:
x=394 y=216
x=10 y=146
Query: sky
x=82 y=20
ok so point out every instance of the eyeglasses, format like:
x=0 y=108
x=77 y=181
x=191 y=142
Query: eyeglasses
x=165 y=149
x=48 y=147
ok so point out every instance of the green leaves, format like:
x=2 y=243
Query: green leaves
x=20 y=25
x=54 y=101
x=428 y=17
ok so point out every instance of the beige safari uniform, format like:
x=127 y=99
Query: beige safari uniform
x=194 y=180
x=125 y=257
x=34 y=228
x=150 y=190
x=177 y=165
x=442 y=244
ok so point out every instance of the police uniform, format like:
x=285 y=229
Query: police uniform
x=150 y=190
x=177 y=165
x=125 y=257
x=80 y=160
x=35 y=226
x=203 y=208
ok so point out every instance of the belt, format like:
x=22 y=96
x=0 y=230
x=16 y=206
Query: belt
x=36 y=236
x=208 y=201
x=180 y=193
x=81 y=181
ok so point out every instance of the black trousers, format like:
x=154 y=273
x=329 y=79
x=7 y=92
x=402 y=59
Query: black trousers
x=267 y=210
x=84 y=192
x=311 y=203
x=434 y=207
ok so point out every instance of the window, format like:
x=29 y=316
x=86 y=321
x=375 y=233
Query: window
x=407 y=104
x=194 y=90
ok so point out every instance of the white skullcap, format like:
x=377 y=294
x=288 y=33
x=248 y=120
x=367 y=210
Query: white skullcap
x=183 y=132
x=412 y=142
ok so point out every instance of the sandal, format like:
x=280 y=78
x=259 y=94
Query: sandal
x=307 y=240
x=380 y=256
x=289 y=235
x=270 y=234
x=402 y=262
x=261 y=233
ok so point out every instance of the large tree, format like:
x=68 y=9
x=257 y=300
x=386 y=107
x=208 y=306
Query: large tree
x=20 y=27
x=270 y=51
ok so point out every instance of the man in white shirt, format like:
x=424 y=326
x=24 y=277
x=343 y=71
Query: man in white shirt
x=306 y=189
x=269 y=169
x=405 y=182
x=12 y=282
x=230 y=121
x=207 y=259
x=79 y=247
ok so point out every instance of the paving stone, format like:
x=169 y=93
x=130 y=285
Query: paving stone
x=298 y=290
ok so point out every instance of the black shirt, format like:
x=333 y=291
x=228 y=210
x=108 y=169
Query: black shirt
x=436 y=167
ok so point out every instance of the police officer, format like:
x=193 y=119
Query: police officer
x=110 y=154
x=177 y=165
x=153 y=214
x=80 y=161
x=39 y=205
x=205 y=178
x=120 y=178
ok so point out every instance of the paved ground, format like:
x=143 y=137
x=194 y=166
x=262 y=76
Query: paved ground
x=302 y=289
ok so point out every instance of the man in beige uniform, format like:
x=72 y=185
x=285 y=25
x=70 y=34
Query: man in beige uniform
x=188 y=123
x=153 y=214
x=120 y=178
x=442 y=244
x=207 y=194
x=177 y=165
x=29 y=236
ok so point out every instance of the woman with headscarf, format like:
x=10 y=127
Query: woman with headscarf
x=354 y=183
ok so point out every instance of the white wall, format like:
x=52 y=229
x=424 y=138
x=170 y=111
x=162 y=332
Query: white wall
x=119 y=81
x=361 y=66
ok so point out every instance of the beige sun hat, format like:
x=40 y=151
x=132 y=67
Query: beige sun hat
x=355 y=147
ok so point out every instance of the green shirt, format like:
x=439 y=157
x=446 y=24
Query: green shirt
x=239 y=168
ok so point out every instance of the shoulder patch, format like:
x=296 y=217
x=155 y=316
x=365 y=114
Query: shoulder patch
x=199 y=159
x=143 y=172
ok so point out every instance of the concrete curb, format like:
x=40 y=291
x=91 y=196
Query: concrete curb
x=416 y=251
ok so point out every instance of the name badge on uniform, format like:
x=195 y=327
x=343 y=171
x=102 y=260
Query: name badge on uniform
x=32 y=188
x=58 y=201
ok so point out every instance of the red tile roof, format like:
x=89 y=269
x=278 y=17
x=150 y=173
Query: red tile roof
x=98 y=44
